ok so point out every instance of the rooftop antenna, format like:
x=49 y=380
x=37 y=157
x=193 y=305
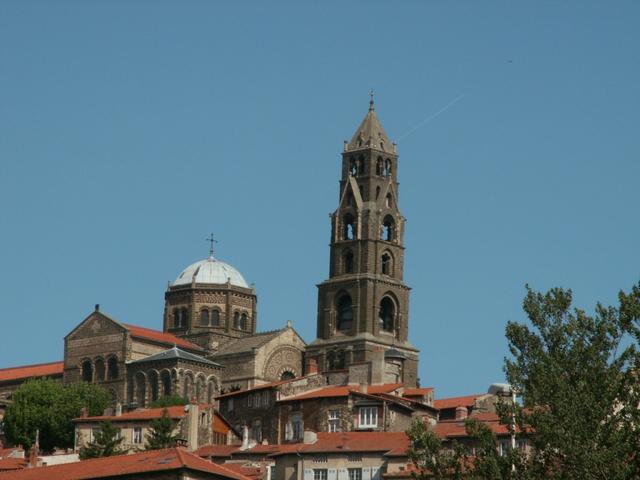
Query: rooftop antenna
x=211 y=239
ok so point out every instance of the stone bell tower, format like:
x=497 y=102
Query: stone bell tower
x=363 y=308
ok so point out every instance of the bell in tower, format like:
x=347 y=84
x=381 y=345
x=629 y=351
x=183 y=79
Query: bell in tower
x=363 y=307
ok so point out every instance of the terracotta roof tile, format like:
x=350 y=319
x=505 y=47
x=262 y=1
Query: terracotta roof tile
x=325 y=443
x=11 y=463
x=50 y=369
x=456 y=428
x=216 y=450
x=161 y=337
x=246 y=470
x=417 y=392
x=122 y=465
x=453 y=402
x=175 y=412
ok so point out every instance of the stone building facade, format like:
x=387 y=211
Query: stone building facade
x=363 y=308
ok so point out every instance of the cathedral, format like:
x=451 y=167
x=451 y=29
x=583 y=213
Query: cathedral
x=210 y=343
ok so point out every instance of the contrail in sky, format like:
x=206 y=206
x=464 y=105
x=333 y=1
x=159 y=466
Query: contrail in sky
x=432 y=116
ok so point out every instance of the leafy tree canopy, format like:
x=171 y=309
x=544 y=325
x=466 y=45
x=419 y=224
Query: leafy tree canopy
x=105 y=444
x=169 y=401
x=48 y=406
x=161 y=433
x=577 y=375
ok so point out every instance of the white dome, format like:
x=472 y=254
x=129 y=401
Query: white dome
x=211 y=270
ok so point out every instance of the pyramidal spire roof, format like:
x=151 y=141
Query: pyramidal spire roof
x=370 y=133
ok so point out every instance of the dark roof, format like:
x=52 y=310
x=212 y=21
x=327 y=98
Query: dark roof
x=246 y=344
x=176 y=353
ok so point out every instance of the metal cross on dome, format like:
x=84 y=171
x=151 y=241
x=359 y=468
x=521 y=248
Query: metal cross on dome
x=212 y=241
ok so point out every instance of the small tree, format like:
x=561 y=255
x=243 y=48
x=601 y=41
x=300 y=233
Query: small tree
x=46 y=405
x=169 y=401
x=430 y=457
x=578 y=379
x=161 y=433
x=105 y=444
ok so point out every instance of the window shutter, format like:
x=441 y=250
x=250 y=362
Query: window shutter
x=366 y=473
x=375 y=473
x=343 y=474
x=332 y=474
x=308 y=474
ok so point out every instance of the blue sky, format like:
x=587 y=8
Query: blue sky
x=131 y=130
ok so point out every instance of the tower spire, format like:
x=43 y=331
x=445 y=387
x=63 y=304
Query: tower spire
x=371 y=106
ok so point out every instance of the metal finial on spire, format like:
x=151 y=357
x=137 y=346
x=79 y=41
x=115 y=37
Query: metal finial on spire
x=211 y=240
x=371 y=107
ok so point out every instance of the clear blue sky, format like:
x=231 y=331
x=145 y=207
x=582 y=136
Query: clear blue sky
x=129 y=130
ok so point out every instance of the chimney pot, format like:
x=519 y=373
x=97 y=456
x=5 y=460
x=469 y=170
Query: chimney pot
x=461 y=412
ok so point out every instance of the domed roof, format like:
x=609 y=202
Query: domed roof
x=211 y=270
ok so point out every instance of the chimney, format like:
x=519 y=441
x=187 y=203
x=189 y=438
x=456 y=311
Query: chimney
x=461 y=412
x=84 y=413
x=34 y=451
x=97 y=307
x=118 y=411
x=245 y=438
x=312 y=366
x=193 y=417
x=363 y=388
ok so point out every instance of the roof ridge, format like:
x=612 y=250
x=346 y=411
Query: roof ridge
x=31 y=365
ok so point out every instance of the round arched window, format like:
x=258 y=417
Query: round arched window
x=204 y=317
x=386 y=314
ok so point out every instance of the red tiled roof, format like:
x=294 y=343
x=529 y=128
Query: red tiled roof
x=11 y=451
x=38 y=370
x=343 y=391
x=161 y=337
x=455 y=428
x=453 y=402
x=216 y=450
x=355 y=442
x=417 y=392
x=10 y=463
x=247 y=471
x=325 y=443
x=122 y=465
x=175 y=412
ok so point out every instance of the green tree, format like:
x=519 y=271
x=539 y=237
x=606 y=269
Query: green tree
x=48 y=406
x=161 y=433
x=169 y=401
x=105 y=444
x=577 y=375
x=430 y=457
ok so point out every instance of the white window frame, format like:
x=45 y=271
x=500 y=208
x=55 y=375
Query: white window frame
x=368 y=417
x=320 y=474
x=355 y=473
x=334 y=421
